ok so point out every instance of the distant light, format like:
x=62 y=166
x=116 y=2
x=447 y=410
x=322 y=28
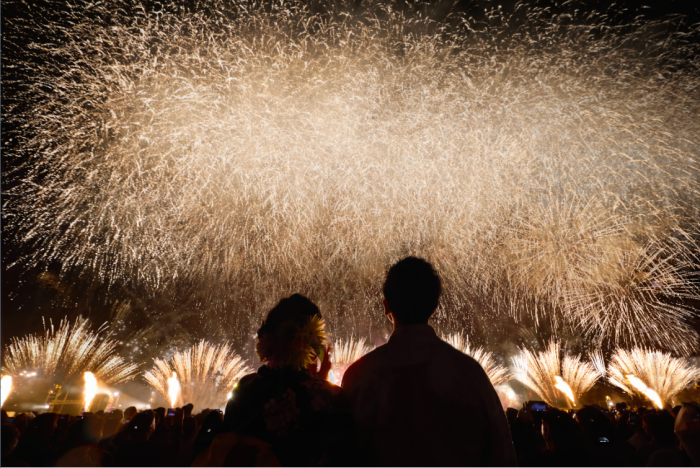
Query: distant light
x=116 y=393
x=230 y=394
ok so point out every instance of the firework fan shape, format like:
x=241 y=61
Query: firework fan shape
x=544 y=372
x=206 y=374
x=586 y=261
x=497 y=373
x=662 y=372
x=345 y=352
x=60 y=354
x=266 y=148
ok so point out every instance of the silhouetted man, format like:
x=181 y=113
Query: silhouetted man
x=418 y=401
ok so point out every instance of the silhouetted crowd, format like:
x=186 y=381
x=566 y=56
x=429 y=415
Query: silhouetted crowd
x=592 y=436
x=414 y=401
x=589 y=436
x=117 y=438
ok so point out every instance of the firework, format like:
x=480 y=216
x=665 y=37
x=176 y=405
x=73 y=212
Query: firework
x=497 y=373
x=345 y=352
x=550 y=376
x=90 y=389
x=203 y=374
x=5 y=388
x=637 y=384
x=508 y=397
x=656 y=374
x=173 y=389
x=564 y=387
x=209 y=145
x=62 y=353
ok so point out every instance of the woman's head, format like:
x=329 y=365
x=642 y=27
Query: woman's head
x=292 y=334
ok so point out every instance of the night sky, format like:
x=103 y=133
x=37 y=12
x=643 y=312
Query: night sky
x=28 y=294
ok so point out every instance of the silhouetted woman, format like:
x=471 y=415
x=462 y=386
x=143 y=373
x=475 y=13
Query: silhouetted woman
x=305 y=420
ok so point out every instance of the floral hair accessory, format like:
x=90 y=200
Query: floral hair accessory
x=292 y=344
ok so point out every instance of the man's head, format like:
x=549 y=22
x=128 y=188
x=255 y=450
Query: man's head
x=411 y=291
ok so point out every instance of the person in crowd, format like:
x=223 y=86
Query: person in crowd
x=10 y=439
x=636 y=424
x=564 y=439
x=676 y=409
x=35 y=447
x=305 y=420
x=658 y=427
x=603 y=445
x=137 y=451
x=189 y=432
x=417 y=401
x=527 y=435
x=687 y=429
x=211 y=427
x=80 y=447
x=511 y=415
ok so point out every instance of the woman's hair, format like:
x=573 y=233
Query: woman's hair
x=292 y=334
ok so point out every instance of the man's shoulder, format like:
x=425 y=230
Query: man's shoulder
x=365 y=364
x=456 y=355
x=467 y=364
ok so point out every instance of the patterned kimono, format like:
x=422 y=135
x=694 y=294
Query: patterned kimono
x=308 y=422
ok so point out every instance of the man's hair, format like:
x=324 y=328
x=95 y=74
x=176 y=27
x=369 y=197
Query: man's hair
x=412 y=290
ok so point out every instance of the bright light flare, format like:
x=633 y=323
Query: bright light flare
x=648 y=392
x=564 y=388
x=173 y=389
x=5 y=388
x=89 y=389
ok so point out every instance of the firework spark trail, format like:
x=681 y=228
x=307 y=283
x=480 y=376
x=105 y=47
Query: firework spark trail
x=637 y=384
x=661 y=372
x=548 y=375
x=205 y=373
x=60 y=354
x=578 y=374
x=497 y=373
x=345 y=352
x=271 y=150
x=5 y=388
x=564 y=387
x=89 y=389
x=173 y=389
